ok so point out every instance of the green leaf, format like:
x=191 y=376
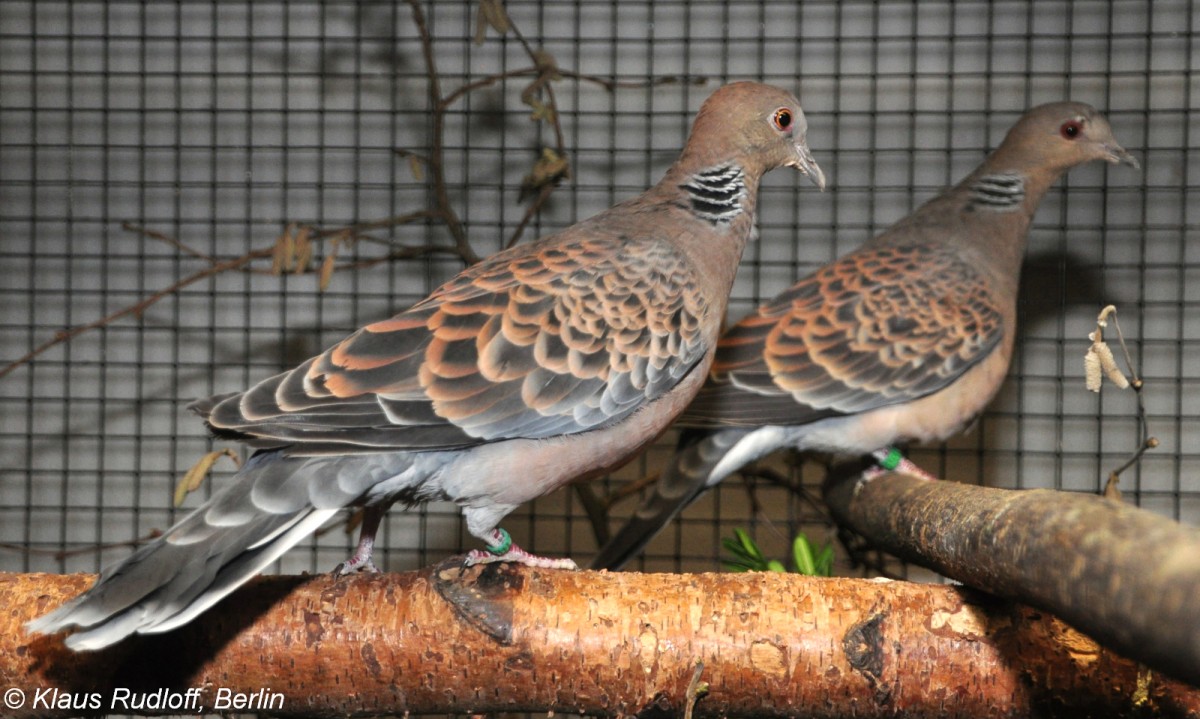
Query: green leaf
x=748 y=544
x=746 y=556
x=737 y=566
x=739 y=558
x=824 y=561
x=802 y=555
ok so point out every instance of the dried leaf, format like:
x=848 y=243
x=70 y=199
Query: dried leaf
x=328 y=265
x=1099 y=360
x=491 y=13
x=417 y=169
x=546 y=64
x=550 y=168
x=531 y=96
x=1102 y=318
x=496 y=15
x=1108 y=363
x=480 y=27
x=1091 y=369
x=303 y=249
x=199 y=472
x=541 y=111
x=284 y=253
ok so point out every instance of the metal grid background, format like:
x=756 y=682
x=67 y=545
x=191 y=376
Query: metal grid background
x=218 y=123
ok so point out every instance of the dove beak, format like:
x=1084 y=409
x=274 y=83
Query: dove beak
x=1118 y=155
x=806 y=164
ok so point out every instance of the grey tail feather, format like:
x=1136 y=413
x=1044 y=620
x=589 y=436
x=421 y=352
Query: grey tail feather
x=201 y=559
x=204 y=406
x=688 y=475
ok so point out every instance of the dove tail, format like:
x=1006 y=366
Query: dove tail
x=219 y=546
x=699 y=463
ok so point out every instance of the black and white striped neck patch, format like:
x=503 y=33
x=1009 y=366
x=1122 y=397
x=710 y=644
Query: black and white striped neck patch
x=998 y=192
x=716 y=193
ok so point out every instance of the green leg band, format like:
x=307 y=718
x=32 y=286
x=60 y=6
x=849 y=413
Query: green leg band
x=505 y=544
x=892 y=459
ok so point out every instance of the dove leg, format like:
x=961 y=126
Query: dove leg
x=890 y=460
x=360 y=561
x=501 y=549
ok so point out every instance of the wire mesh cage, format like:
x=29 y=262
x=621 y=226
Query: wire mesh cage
x=197 y=195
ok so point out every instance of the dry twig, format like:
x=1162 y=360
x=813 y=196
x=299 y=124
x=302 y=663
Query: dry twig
x=1098 y=363
x=695 y=690
x=443 y=208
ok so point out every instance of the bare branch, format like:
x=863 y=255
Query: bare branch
x=483 y=82
x=1099 y=362
x=530 y=212
x=60 y=554
x=1124 y=575
x=140 y=307
x=503 y=637
x=631 y=488
x=612 y=85
x=442 y=205
x=404 y=253
x=596 y=510
x=167 y=239
x=394 y=221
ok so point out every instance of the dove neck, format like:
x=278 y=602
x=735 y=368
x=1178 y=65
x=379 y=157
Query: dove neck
x=1037 y=177
x=994 y=241
x=712 y=236
x=696 y=162
x=989 y=236
x=721 y=195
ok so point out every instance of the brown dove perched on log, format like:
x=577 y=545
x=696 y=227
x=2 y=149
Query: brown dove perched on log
x=548 y=362
x=904 y=339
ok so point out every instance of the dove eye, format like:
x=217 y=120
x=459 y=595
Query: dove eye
x=783 y=119
x=1071 y=129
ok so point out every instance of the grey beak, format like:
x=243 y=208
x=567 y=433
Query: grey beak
x=806 y=164
x=1118 y=155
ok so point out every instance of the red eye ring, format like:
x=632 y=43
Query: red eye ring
x=782 y=119
x=1071 y=129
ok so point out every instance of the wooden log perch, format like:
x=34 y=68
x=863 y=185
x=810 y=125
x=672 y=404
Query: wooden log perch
x=507 y=638
x=1127 y=577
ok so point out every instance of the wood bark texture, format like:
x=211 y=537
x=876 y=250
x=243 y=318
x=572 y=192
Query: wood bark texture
x=1125 y=576
x=505 y=638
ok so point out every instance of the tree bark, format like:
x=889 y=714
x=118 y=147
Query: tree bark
x=507 y=638
x=1127 y=577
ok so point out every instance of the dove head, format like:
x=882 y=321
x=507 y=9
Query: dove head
x=1061 y=135
x=759 y=127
